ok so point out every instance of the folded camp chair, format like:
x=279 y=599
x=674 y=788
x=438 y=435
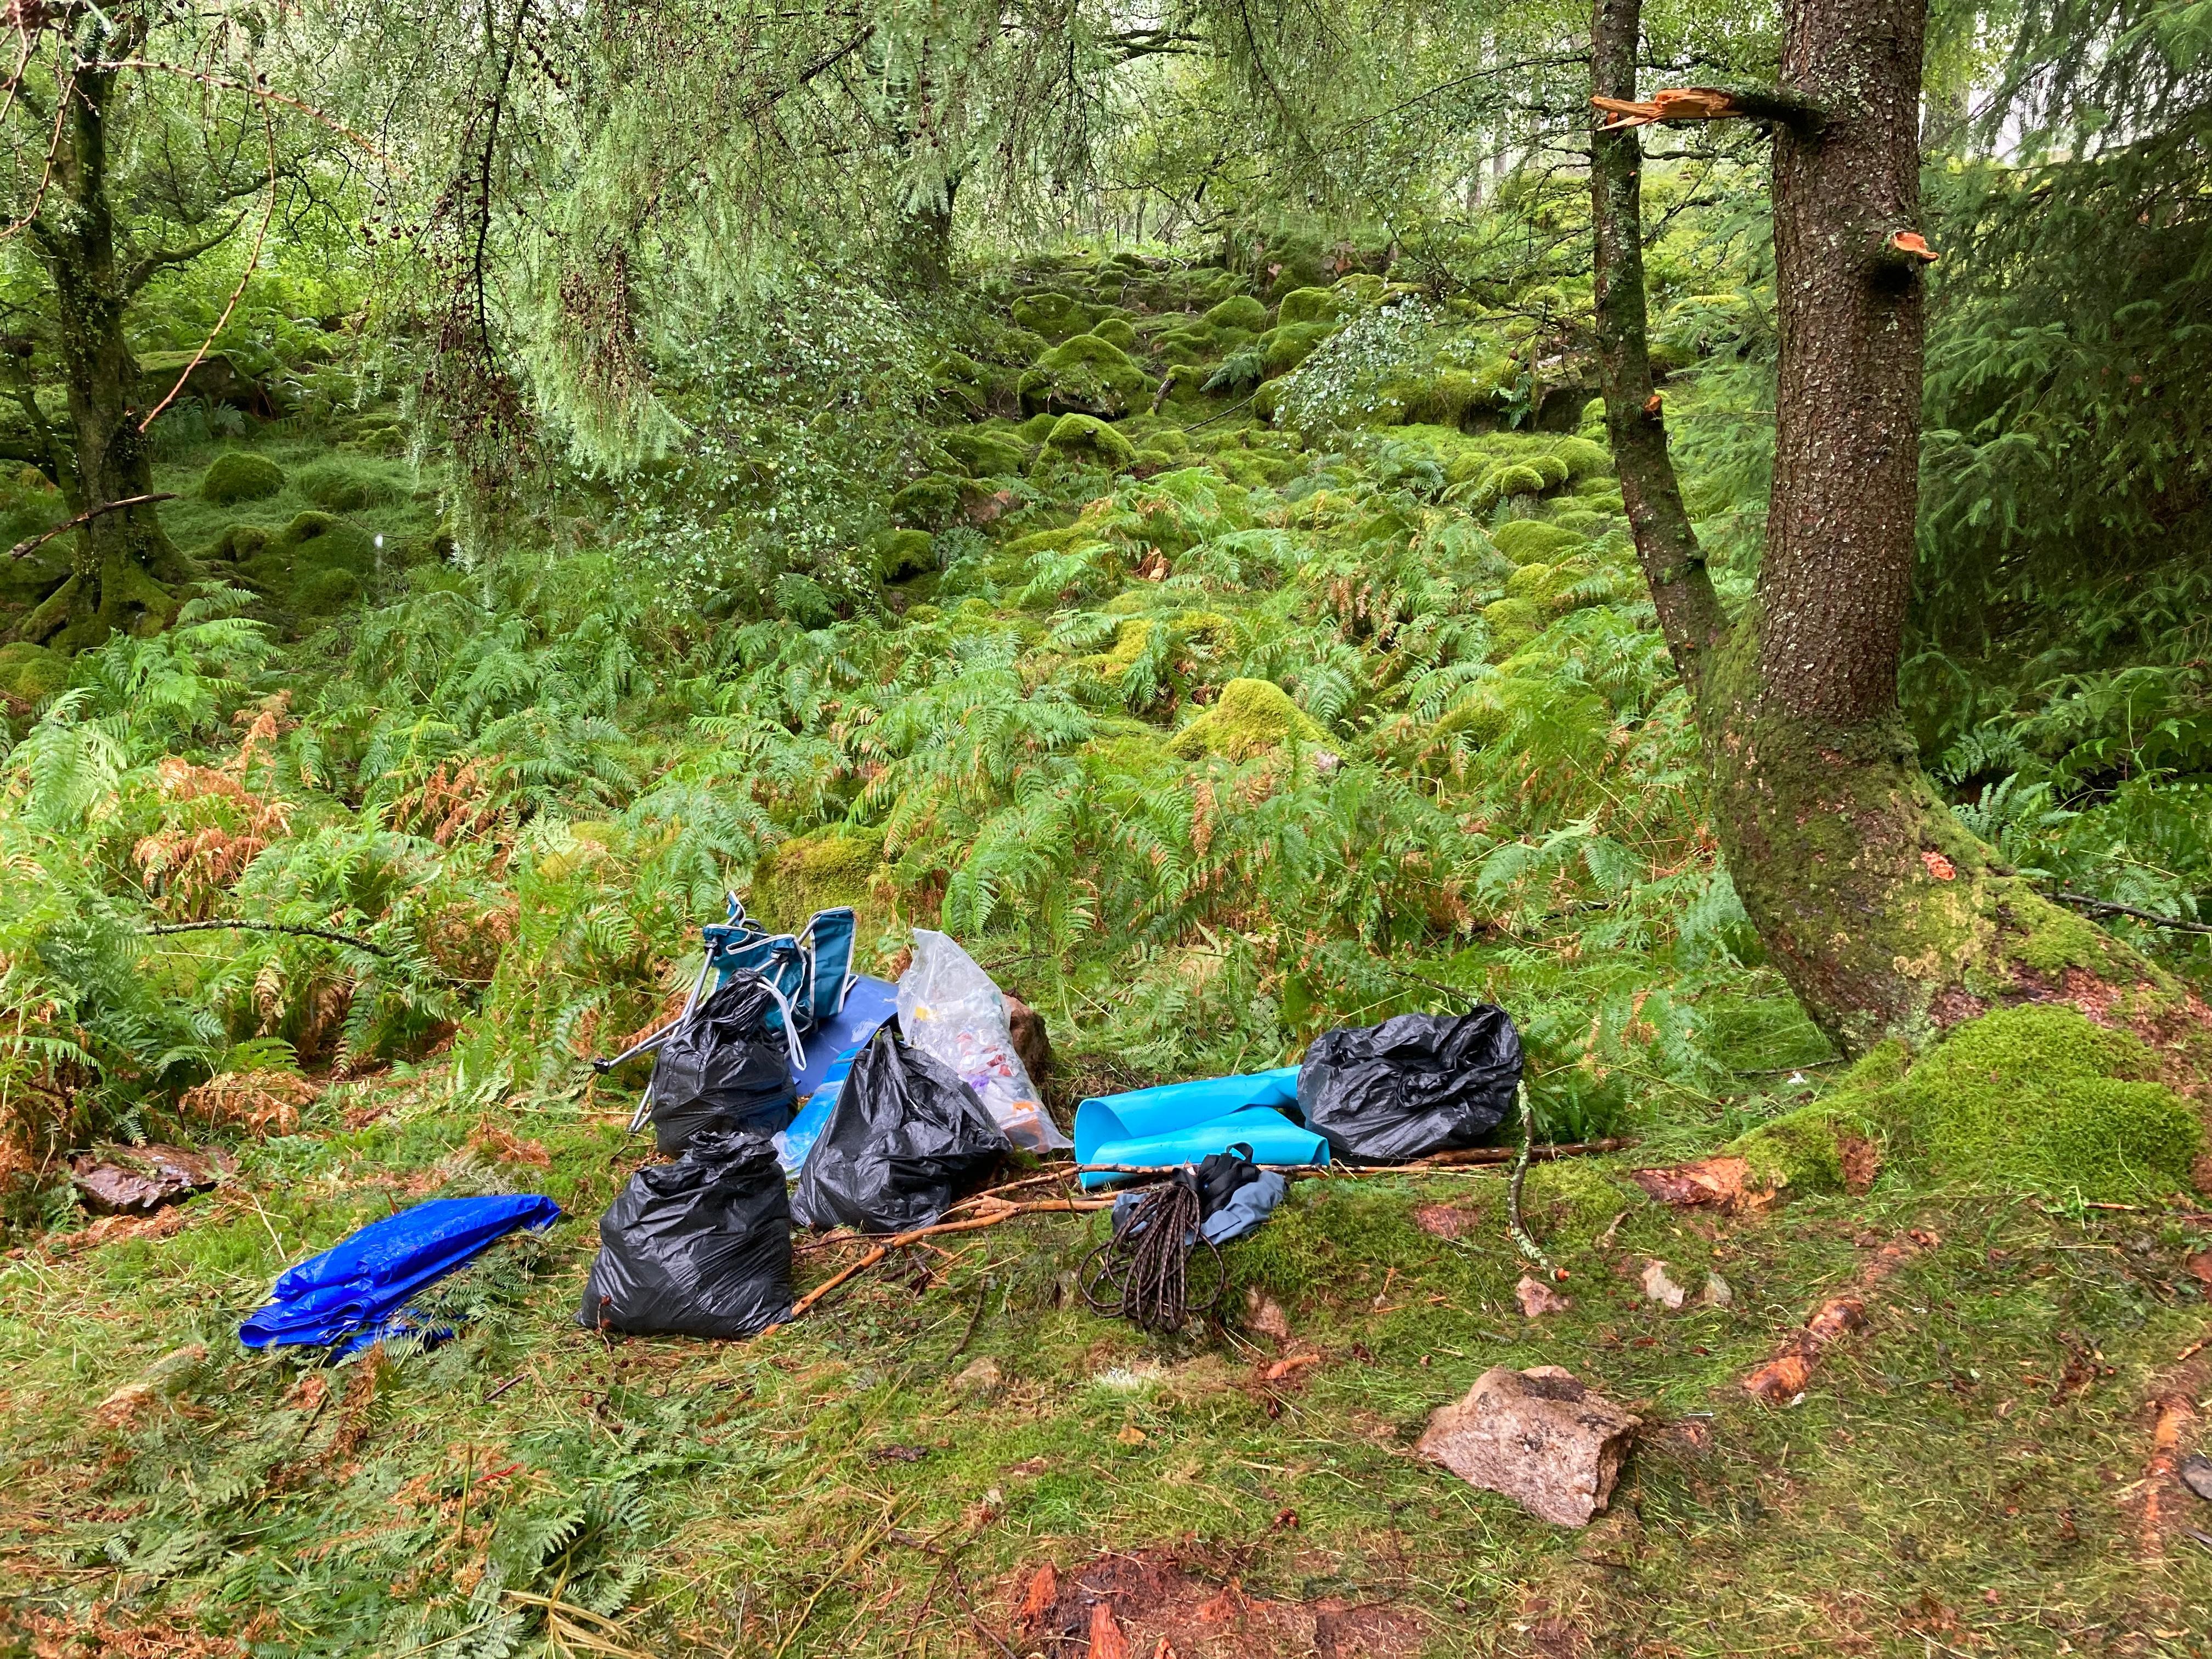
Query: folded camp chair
x=808 y=973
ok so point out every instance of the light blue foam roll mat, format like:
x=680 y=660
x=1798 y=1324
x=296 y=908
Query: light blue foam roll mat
x=1182 y=1122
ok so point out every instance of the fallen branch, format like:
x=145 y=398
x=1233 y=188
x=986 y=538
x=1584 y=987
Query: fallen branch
x=1003 y=1213
x=1473 y=1156
x=24 y=549
x=2106 y=908
x=354 y=939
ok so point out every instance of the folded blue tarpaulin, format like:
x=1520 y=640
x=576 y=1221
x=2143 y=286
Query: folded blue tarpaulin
x=352 y=1291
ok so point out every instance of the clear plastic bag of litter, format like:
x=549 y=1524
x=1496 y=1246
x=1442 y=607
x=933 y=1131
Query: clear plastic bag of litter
x=949 y=1008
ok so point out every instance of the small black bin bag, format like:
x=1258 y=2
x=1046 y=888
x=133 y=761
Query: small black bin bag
x=1412 y=1085
x=701 y=1247
x=905 y=1138
x=723 y=1068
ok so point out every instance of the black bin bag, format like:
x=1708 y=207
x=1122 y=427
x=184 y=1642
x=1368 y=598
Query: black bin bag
x=723 y=1068
x=906 y=1137
x=1412 y=1085
x=701 y=1247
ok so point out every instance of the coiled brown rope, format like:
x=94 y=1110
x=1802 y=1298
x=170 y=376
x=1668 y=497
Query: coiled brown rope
x=1142 y=1274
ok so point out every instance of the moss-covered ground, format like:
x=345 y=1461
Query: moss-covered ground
x=1966 y=1476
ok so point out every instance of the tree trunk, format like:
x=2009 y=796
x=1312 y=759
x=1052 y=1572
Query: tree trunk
x=123 y=558
x=1886 y=917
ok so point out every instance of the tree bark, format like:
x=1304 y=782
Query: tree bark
x=1886 y=917
x=122 y=558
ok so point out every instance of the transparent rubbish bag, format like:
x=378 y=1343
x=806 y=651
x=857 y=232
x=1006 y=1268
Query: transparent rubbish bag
x=949 y=1008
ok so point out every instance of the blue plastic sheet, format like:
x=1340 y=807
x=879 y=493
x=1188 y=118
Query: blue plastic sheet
x=867 y=1005
x=1182 y=1122
x=358 y=1290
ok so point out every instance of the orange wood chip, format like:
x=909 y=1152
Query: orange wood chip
x=1107 y=1641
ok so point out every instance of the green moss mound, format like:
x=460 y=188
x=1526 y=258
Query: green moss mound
x=242 y=476
x=820 y=870
x=1515 y=478
x=1085 y=375
x=340 y=487
x=1309 y=305
x=1288 y=344
x=930 y=502
x=898 y=554
x=1531 y=541
x=1513 y=622
x=1582 y=458
x=1053 y=314
x=1239 y=311
x=2041 y=1097
x=1085 y=437
x=989 y=453
x=1117 y=331
x=1252 y=717
x=31 y=673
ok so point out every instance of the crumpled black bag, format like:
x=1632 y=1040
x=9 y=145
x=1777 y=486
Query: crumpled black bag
x=906 y=1137
x=1412 y=1085
x=701 y=1247
x=723 y=1069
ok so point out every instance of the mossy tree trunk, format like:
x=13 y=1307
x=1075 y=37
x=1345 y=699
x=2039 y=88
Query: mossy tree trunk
x=123 y=559
x=1886 y=917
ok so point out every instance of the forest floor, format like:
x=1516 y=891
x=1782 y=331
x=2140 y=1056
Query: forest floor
x=1969 y=1474
x=1044 y=737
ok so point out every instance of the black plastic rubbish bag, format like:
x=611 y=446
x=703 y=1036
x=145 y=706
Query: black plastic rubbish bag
x=701 y=1247
x=906 y=1137
x=723 y=1068
x=1412 y=1085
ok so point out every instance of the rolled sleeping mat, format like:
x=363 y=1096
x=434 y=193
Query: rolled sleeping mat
x=1181 y=1122
x=1272 y=1138
x=1142 y=1112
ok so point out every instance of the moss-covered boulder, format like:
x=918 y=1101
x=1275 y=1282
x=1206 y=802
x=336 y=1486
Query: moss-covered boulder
x=1583 y=458
x=1512 y=623
x=2036 y=1098
x=821 y=870
x=901 y=554
x=1252 y=717
x=1514 y=478
x=1239 y=311
x=1117 y=331
x=339 y=486
x=299 y=567
x=1310 y=305
x=930 y=502
x=239 y=475
x=29 y=674
x=1085 y=375
x=1053 y=314
x=2040 y=1097
x=1085 y=437
x=987 y=452
x=1286 y=345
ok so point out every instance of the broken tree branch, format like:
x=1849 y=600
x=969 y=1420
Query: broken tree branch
x=24 y=549
x=2105 y=908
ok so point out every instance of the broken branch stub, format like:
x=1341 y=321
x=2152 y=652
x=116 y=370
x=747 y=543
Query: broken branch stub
x=1537 y=1436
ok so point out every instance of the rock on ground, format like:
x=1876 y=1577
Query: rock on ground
x=1539 y=1437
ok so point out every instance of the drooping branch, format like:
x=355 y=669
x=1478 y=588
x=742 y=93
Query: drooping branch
x=30 y=544
x=145 y=269
x=1666 y=546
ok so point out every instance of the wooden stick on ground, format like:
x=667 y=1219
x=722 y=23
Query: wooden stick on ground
x=1004 y=1211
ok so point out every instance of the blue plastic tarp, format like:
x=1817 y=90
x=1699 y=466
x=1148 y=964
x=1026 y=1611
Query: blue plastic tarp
x=1183 y=1122
x=867 y=1005
x=352 y=1290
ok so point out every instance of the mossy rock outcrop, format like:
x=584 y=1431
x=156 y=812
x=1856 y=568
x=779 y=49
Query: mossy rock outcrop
x=1252 y=717
x=1085 y=375
x=1240 y=311
x=821 y=870
x=930 y=502
x=1116 y=330
x=1310 y=305
x=1286 y=345
x=315 y=565
x=900 y=554
x=1513 y=622
x=338 y=487
x=1055 y=315
x=2035 y=1098
x=1085 y=437
x=29 y=674
x=986 y=452
x=239 y=475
